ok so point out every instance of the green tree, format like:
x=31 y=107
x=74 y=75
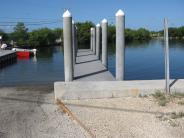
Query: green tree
x=83 y=32
x=174 y=32
x=111 y=34
x=142 y=34
x=58 y=33
x=20 y=34
x=42 y=37
x=129 y=34
x=4 y=35
x=180 y=32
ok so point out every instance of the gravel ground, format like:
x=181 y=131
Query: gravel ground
x=128 y=117
x=30 y=112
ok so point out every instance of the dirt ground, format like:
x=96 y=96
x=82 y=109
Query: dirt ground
x=129 y=117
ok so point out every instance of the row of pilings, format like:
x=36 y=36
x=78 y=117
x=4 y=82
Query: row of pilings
x=98 y=34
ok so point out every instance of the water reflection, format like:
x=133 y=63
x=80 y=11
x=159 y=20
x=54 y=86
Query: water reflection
x=143 y=60
x=34 y=59
x=45 y=68
x=146 y=60
x=45 y=52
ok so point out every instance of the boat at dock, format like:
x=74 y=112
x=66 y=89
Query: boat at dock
x=25 y=52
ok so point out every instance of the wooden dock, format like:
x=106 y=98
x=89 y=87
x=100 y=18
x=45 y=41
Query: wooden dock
x=89 y=68
x=7 y=57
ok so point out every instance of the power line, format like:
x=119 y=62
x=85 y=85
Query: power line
x=32 y=23
x=26 y=18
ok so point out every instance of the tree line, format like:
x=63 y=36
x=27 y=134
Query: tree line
x=174 y=32
x=35 y=38
x=47 y=37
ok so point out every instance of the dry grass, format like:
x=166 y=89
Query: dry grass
x=162 y=99
x=177 y=95
x=172 y=118
x=181 y=102
x=175 y=115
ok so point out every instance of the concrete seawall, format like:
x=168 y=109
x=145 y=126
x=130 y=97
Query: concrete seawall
x=112 y=89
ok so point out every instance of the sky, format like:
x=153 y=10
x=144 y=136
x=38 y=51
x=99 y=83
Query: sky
x=48 y=13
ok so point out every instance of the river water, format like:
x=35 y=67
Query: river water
x=143 y=61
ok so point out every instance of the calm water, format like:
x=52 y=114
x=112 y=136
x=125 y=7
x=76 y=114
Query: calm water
x=143 y=61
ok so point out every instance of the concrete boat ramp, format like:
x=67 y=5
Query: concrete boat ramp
x=93 y=80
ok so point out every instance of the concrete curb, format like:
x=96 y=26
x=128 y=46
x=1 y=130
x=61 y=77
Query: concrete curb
x=111 y=89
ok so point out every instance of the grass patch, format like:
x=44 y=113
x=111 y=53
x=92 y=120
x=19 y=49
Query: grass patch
x=177 y=95
x=158 y=94
x=173 y=123
x=171 y=118
x=162 y=102
x=143 y=95
x=161 y=98
x=175 y=115
x=181 y=102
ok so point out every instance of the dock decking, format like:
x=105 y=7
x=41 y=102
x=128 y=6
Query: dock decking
x=89 y=68
x=6 y=52
x=7 y=57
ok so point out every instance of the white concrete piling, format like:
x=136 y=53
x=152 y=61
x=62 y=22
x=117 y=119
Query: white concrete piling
x=104 y=43
x=68 y=52
x=167 y=73
x=91 y=39
x=94 y=40
x=98 y=40
x=120 y=45
x=74 y=42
